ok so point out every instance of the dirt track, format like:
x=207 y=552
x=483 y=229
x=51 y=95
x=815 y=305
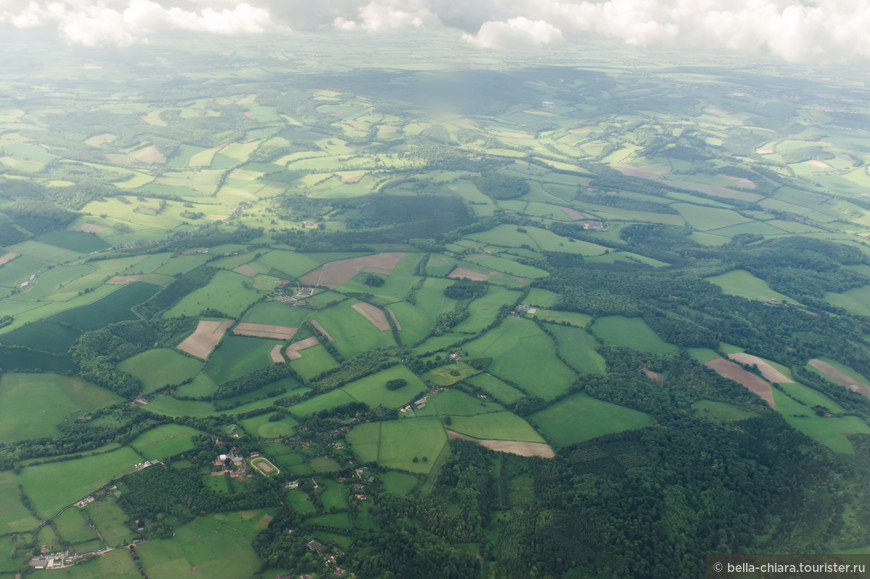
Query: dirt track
x=275 y=353
x=372 y=314
x=264 y=331
x=461 y=272
x=293 y=349
x=8 y=257
x=509 y=446
x=748 y=380
x=395 y=319
x=204 y=339
x=770 y=373
x=246 y=270
x=321 y=330
x=91 y=228
x=123 y=279
x=841 y=377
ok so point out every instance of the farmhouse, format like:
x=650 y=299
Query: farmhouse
x=421 y=403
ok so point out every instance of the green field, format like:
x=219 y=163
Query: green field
x=210 y=547
x=721 y=411
x=457 y=403
x=558 y=317
x=228 y=292
x=276 y=314
x=263 y=427
x=495 y=387
x=113 y=308
x=708 y=218
x=364 y=441
x=300 y=502
x=353 y=334
x=484 y=309
x=14 y=516
x=73 y=240
x=31 y=405
x=630 y=333
x=109 y=519
x=161 y=367
x=403 y=440
x=373 y=391
x=743 y=284
x=237 y=356
x=524 y=354
x=580 y=417
x=73 y=527
x=577 y=347
x=828 y=431
x=52 y=486
x=418 y=319
x=856 y=301
x=326 y=401
x=313 y=362
x=395 y=443
x=496 y=426
x=398 y=483
x=165 y=441
x=42 y=336
x=116 y=564
x=449 y=374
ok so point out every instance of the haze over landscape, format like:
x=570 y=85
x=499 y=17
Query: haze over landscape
x=432 y=289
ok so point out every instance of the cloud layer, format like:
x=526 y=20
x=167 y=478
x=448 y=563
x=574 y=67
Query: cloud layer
x=792 y=29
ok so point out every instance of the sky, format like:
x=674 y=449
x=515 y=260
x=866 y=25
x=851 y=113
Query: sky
x=794 y=30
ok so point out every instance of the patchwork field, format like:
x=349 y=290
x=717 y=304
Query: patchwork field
x=511 y=345
x=352 y=333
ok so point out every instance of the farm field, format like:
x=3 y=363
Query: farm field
x=109 y=519
x=238 y=356
x=32 y=405
x=206 y=547
x=495 y=387
x=373 y=391
x=353 y=334
x=14 y=516
x=80 y=477
x=511 y=345
x=743 y=284
x=228 y=293
x=165 y=441
x=828 y=431
x=630 y=333
x=577 y=347
x=160 y=367
x=306 y=198
x=580 y=417
x=721 y=411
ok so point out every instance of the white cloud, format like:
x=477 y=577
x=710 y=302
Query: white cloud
x=102 y=24
x=376 y=17
x=515 y=33
x=792 y=29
